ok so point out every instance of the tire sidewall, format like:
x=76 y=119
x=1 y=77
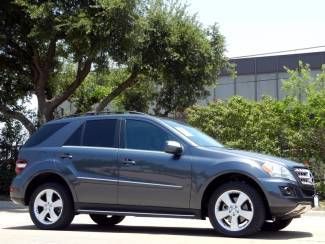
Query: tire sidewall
x=258 y=206
x=67 y=210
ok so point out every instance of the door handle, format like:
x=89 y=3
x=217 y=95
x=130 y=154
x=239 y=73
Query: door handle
x=128 y=161
x=66 y=155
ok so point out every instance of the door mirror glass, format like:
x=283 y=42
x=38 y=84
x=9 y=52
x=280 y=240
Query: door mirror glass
x=173 y=147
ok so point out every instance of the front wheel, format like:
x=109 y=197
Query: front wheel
x=106 y=220
x=51 y=207
x=276 y=225
x=236 y=209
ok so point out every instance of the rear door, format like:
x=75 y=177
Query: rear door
x=148 y=176
x=91 y=153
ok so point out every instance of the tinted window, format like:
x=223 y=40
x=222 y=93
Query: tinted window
x=100 y=133
x=75 y=138
x=43 y=133
x=145 y=136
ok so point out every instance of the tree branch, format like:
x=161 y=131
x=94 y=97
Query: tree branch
x=81 y=75
x=18 y=116
x=130 y=81
x=51 y=54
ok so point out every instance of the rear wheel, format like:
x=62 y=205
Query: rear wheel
x=236 y=209
x=51 y=207
x=276 y=225
x=106 y=220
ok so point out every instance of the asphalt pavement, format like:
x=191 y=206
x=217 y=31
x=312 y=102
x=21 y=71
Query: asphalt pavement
x=16 y=227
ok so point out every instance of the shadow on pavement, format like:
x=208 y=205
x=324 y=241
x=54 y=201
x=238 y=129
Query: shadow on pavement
x=281 y=235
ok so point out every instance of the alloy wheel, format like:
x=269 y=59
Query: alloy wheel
x=48 y=206
x=234 y=210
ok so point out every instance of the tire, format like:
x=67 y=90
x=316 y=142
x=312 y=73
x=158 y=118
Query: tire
x=276 y=225
x=106 y=220
x=232 y=218
x=57 y=203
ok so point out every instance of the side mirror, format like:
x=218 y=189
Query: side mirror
x=173 y=147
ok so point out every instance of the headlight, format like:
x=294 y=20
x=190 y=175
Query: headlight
x=277 y=170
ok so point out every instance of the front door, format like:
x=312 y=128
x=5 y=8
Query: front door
x=148 y=176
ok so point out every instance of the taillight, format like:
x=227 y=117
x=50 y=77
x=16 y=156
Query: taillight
x=20 y=166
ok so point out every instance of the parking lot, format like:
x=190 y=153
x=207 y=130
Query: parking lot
x=16 y=227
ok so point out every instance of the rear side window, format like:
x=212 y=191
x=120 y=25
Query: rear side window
x=43 y=133
x=100 y=133
x=75 y=138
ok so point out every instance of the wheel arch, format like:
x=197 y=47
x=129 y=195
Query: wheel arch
x=227 y=177
x=46 y=177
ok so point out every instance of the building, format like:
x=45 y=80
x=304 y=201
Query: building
x=259 y=76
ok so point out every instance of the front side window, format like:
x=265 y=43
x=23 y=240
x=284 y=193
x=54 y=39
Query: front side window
x=100 y=133
x=142 y=135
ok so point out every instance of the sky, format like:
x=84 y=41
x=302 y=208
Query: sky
x=261 y=26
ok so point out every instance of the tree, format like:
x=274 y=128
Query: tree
x=38 y=37
x=53 y=45
x=179 y=56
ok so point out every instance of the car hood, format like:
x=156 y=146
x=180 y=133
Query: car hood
x=262 y=157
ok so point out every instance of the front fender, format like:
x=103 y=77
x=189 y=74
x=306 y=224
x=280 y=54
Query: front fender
x=203 y=175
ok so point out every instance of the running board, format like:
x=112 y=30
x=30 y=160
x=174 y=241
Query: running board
x=137 y=214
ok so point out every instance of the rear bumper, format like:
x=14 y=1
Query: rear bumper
x=283 y=205
x=16 y=192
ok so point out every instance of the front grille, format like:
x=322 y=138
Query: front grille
x=305 y=176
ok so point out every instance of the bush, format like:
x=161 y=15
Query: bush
x=320 y=187
x=285 y=128
x=10 y=137
x=289 y=128
x=7 y=172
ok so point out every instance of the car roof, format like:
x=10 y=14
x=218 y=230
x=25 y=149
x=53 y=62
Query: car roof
x=88 y=116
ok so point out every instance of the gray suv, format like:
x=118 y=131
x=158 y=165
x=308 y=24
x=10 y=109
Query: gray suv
x=131 y=164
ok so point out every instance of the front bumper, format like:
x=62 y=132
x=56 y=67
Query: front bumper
x=287 y=199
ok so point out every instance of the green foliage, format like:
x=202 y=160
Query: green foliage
x=48 y=48
x=38 y=39
x=290 y=128
x=11 y=137
x=174 y=58
x=139 y=97
x=190 y=57
x=7 y=173
x=96 y=86
x=320 y=188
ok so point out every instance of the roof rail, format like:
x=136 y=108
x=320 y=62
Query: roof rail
x=101 y=113
x=135 y=112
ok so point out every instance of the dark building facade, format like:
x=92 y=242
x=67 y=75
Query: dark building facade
x=259 y=76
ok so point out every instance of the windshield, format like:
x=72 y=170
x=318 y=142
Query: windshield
x=194 y=134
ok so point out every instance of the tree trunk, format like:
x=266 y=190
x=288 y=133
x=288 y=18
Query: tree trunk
x=130 y=81
x=46 y=107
